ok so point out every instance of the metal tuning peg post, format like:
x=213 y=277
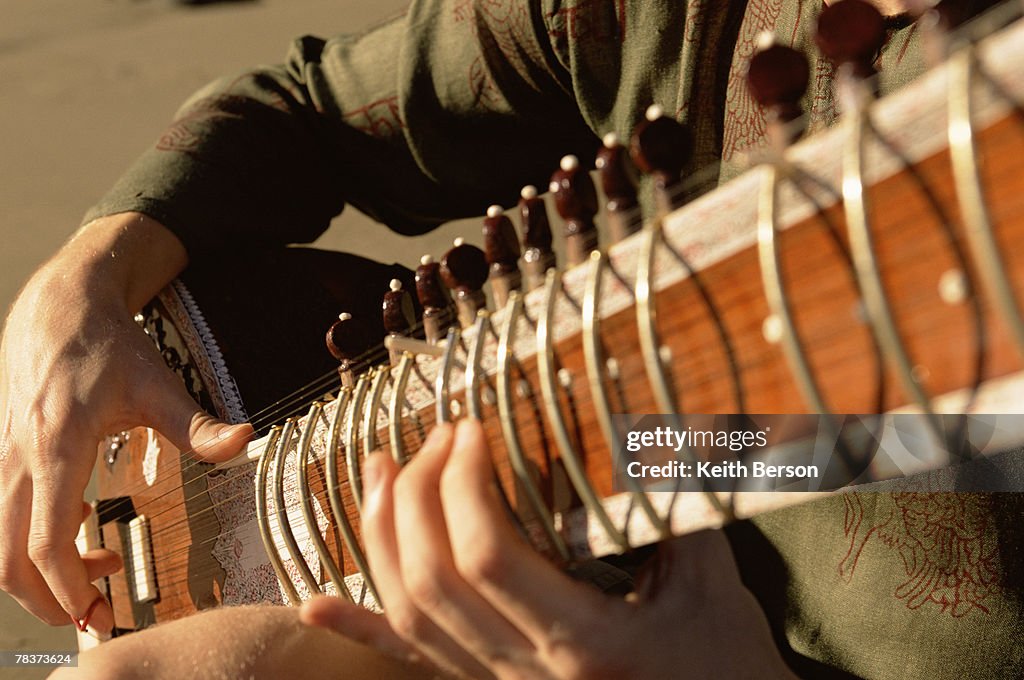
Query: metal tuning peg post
x=660 y=147
x=576 y=201
x=348 y=341
x=464 y=270
x=618 y=181
x=398 y=314
x=537 y=254
x=777 y=79
x=501 y=248
x=434 y=298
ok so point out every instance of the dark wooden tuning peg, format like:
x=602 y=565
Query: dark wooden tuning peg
x=576 y=201
x=537 y=254
x=618 y=181
x=464 y=269
x=501 y=248
x=434 y=298
x=348 y=340
x=777 y=78
x=398 y=313
x=851 y=33
x=660 y=147
x=397 y=309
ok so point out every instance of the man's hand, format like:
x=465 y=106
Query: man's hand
x=460 y=588
x=75 y=367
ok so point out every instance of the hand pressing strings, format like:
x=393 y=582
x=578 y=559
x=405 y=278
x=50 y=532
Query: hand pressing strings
x=462 y=590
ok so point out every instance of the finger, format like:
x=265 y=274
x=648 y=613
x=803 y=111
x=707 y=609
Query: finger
x=356 y=623
x=515 y=580
x=172 y=412
x=51 y=538
x=18 y=576
x=378 y=524
x=428 y=568
x=101 y=562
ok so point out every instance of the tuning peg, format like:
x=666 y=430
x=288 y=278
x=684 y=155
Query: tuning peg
x=348 y=340
x=501 y=247
x=398 y=313
x=851 y=33
x=618 y=181
x=576 y=201
x=434 y=298
x=537 y=254
x=464 y=269
x=660 y=147
x=777 y=78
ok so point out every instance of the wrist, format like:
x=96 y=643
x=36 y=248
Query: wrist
x=125 y=258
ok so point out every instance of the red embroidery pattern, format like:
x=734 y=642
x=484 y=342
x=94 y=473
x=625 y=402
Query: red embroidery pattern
x=942 y=538
x=744 y=119
x=504 y=32
x=182 y=135
x=823 y=105
x=586 y=20
x=695 y=15
x=185 y=133
x=379 y=119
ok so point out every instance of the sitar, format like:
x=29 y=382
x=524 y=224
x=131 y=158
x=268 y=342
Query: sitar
x=869 y=269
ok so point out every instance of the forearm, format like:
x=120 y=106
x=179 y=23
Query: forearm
x=125 y=258
x=244 y=642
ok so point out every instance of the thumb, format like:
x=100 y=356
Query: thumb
x=177 y=416
x=214 y=440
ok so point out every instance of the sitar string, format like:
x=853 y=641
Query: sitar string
x=582 y=399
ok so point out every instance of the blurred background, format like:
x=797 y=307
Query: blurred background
x=87 y=85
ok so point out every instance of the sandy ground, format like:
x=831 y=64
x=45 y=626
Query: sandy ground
x=87 y=85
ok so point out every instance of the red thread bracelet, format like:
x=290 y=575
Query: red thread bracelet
x=83 y=623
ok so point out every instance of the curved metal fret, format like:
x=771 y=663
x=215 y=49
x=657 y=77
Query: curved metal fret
x=372 y=408
x=510 y=431
x=865 y=265
x=650 y=342
x=398 y=388
x=778 y=301
x=263 y=519
x=647 y=317
x=549 y=388
x=444 y=375
x=355 y=479
x=595 y=364
x=281 y=509
x=348 y=535
x=970 y=195
x=306 y=498
x=474 y=354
